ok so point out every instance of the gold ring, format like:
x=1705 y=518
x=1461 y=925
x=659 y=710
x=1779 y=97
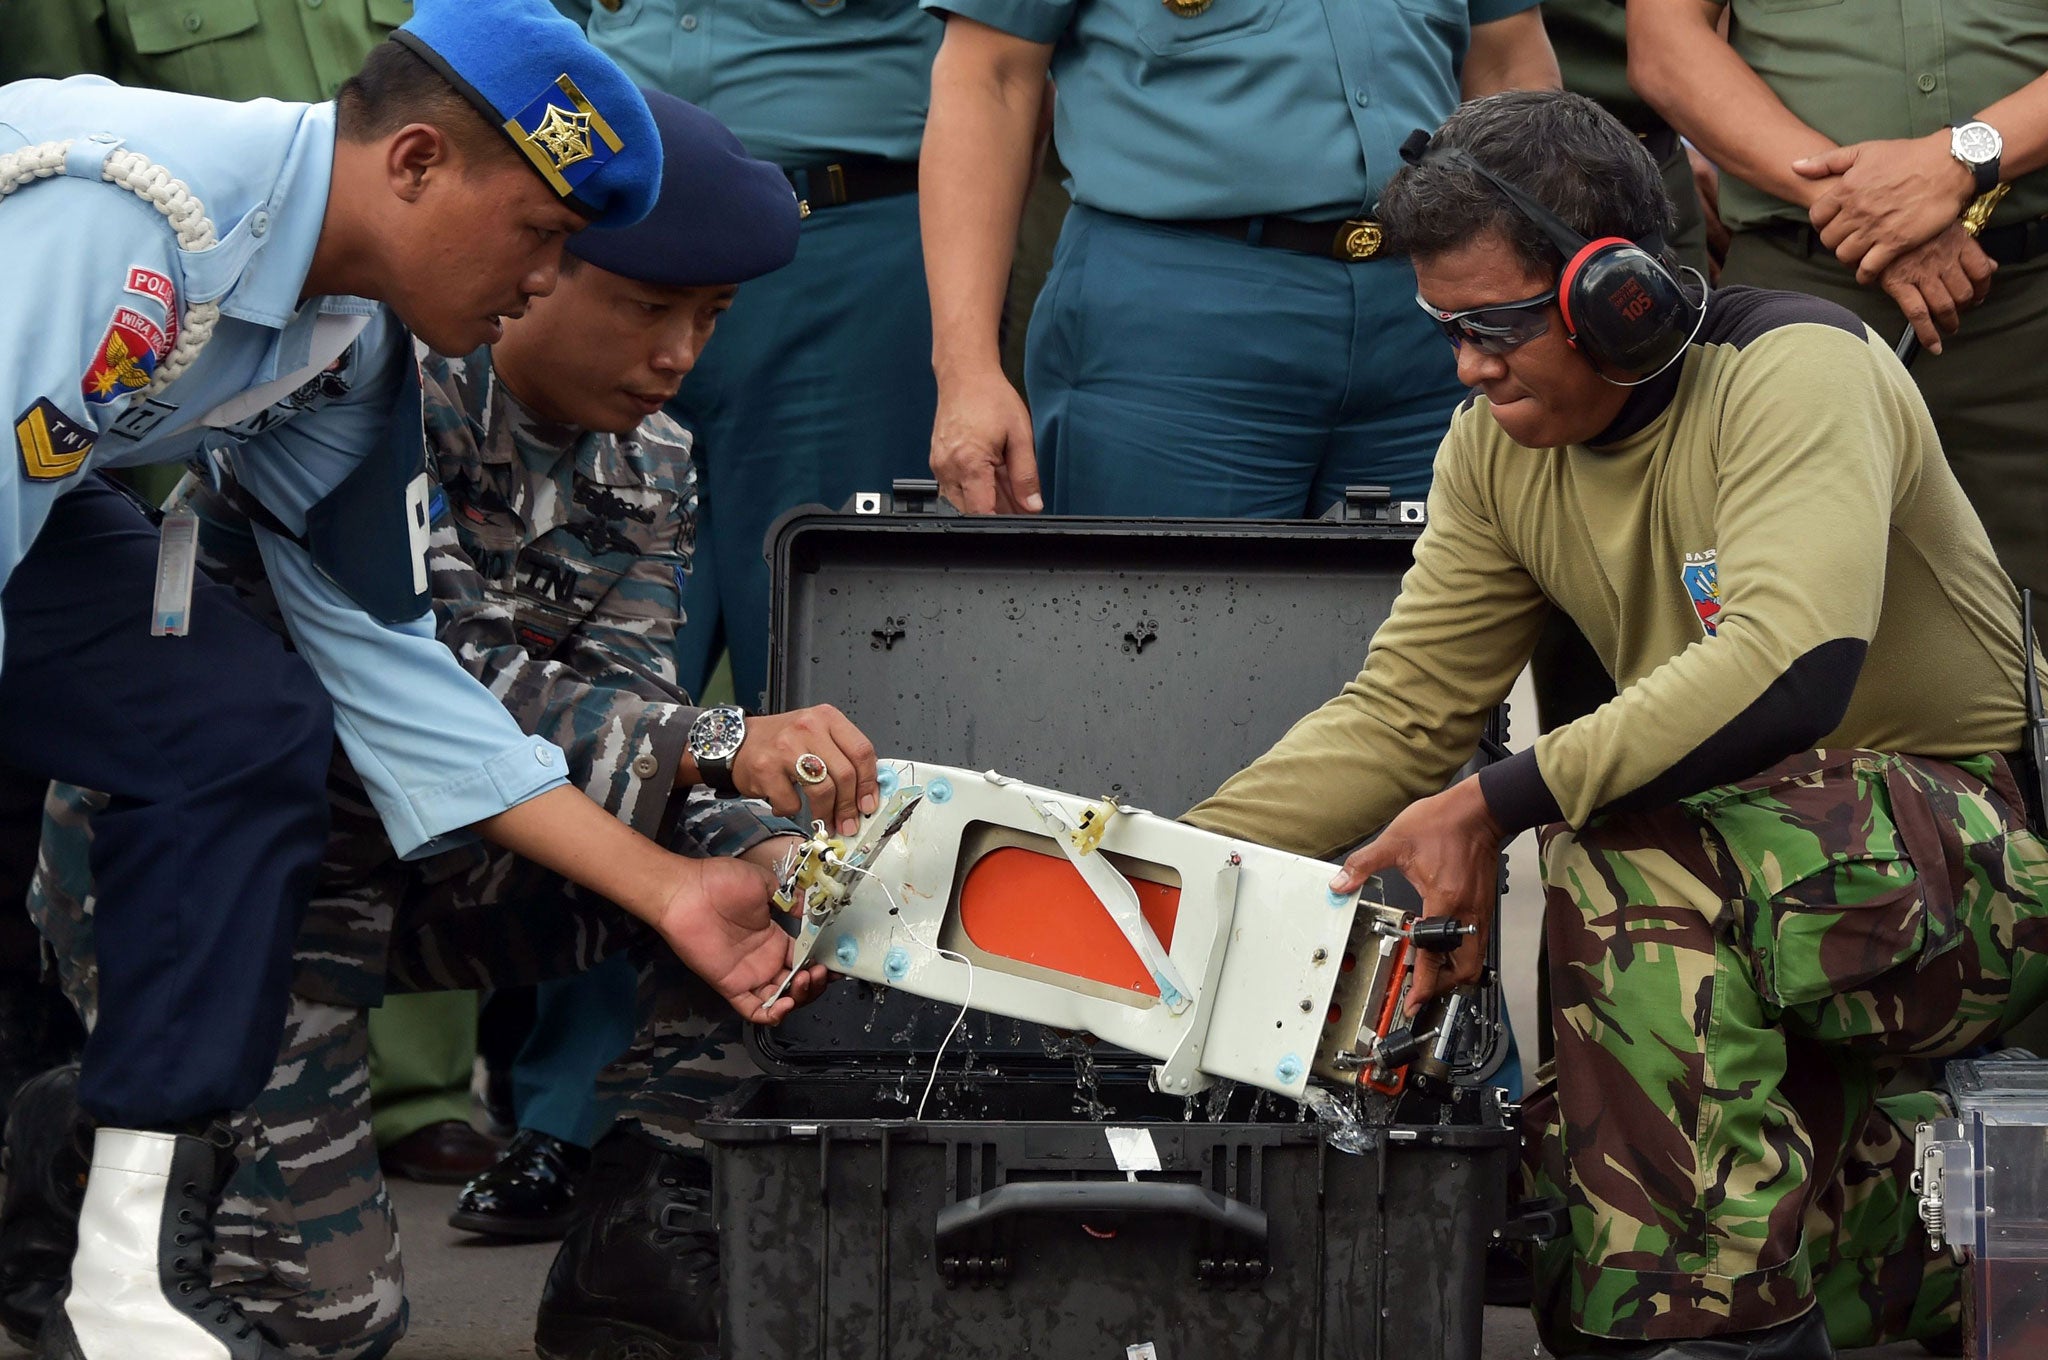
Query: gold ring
x=810 y=769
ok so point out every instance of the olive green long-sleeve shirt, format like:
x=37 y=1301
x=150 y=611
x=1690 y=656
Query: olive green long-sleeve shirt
x=1767 y=551
x=226 y=49
x=1865 y=70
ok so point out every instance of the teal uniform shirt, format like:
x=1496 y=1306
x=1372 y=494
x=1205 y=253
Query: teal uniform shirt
x=796 y=80
x=1252 y=107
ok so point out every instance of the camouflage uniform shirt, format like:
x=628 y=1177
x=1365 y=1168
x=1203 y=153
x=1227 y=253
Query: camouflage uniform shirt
x=556 y=564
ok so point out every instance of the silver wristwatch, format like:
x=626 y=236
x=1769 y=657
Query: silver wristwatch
x=713 y=742
x=1978 y=146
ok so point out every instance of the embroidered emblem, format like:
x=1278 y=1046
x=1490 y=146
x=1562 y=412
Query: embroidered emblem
x=159 y=289
x=126 y=358
x=1703 y=583
x=555 y=131
x=52 y=445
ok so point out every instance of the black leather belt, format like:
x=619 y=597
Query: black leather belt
x=849 y=179
x=2013 y=243
x=1353 y=240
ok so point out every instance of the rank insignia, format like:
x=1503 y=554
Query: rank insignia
x=126 y=358
x=564 y=136
x=1703 y=583
x=1187 y=9
x=52 y=444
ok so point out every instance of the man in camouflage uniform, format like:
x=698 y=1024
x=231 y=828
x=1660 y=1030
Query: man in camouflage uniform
x=557 y=558
x=1790 y=857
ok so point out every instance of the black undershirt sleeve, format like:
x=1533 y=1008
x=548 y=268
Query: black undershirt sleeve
x=1795 y=711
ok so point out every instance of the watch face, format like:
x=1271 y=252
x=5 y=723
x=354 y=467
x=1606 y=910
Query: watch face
x=717 y=734
x=1977 y=142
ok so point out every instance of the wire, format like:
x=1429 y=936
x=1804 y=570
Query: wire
x=965 y=1006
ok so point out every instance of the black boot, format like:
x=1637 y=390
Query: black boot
x=1803 y=1338
x=638 y=1273
x=530 y=1192
x=49 y=1146
x=142 y=1280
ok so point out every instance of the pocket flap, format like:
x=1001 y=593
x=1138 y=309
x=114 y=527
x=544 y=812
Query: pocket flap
x=171 y=25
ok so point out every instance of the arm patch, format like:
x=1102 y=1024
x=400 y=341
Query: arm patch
x=53 y=446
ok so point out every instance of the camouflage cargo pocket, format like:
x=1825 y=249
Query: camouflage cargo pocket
x=1833 y=896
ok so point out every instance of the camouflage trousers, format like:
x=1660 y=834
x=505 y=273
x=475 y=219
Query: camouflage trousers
x=1743 y=986
x=309 y=1243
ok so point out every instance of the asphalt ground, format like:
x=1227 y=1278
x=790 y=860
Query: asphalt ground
x=474 y=1300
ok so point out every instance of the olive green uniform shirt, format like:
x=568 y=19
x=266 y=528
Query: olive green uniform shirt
x=1767 y=551
x=1865 y=70
x=1590 y=39
x=226 y=49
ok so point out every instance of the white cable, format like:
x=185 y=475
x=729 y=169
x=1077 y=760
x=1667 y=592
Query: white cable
x=966 y=1005
x=169 y=195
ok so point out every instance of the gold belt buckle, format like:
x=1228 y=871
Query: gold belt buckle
x=1360 y=239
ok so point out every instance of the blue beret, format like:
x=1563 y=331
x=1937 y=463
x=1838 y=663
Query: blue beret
x=580 y=122
x=722 y=216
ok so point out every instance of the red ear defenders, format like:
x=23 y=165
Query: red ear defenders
x=1621 y=304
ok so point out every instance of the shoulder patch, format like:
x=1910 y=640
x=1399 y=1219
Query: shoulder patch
x=52 y=444
x=159 y=289
x=126 y=357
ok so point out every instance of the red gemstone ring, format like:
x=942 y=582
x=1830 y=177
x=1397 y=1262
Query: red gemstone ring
x=810 y=769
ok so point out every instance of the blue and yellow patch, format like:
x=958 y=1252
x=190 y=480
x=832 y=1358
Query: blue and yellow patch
x=564 y=136
x=53 y=446
x=1702 y=577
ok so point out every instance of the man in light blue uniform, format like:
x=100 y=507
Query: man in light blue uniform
x=1219 y=334
x=182 y=281
x=821 y=385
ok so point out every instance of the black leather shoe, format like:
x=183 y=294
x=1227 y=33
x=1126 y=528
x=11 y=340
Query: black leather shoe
x=49 y=1150
x=530 y=1193
x=1803 y=1338
x=638 y=1274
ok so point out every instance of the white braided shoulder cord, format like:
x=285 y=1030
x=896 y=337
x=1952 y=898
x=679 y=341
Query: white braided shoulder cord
x=139 y=175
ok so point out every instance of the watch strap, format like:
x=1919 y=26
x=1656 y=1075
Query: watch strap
x=716 y=775
x=1987 y=175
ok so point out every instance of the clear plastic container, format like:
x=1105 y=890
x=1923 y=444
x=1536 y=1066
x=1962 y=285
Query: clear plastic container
x=1984 y=1193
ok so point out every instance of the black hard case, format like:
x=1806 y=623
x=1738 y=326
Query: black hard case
x=1151 y=659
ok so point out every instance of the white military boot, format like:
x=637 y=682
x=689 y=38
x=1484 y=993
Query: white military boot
x=141 y=1283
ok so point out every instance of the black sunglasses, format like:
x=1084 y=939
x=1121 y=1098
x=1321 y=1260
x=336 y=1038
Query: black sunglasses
x=1496 y=329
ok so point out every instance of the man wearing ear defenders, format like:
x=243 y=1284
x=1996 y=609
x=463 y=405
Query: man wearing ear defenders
x=1792 y=854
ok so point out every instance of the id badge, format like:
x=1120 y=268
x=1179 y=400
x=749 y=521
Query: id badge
x=177 y=557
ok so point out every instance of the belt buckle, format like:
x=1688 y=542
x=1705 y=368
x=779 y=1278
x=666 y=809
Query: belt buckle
x=1359 y=239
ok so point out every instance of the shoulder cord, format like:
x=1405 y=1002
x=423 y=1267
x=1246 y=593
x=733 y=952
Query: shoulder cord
x=139 y=175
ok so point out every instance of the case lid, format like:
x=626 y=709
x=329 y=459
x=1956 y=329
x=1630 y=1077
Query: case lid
x=1149 y=658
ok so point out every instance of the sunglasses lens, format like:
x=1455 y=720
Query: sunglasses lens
x=1497 y=332
x=1494 y=330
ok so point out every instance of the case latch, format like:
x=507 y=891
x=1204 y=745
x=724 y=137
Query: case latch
x=905 y=496
x=1375 y=505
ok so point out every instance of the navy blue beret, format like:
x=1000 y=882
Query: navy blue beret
x=580 y=122
x=722 y=216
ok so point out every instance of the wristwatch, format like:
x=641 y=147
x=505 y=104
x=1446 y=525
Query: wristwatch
x=714 y=740
x=1978 y=146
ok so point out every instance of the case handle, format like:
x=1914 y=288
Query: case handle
x=1102 y=1196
